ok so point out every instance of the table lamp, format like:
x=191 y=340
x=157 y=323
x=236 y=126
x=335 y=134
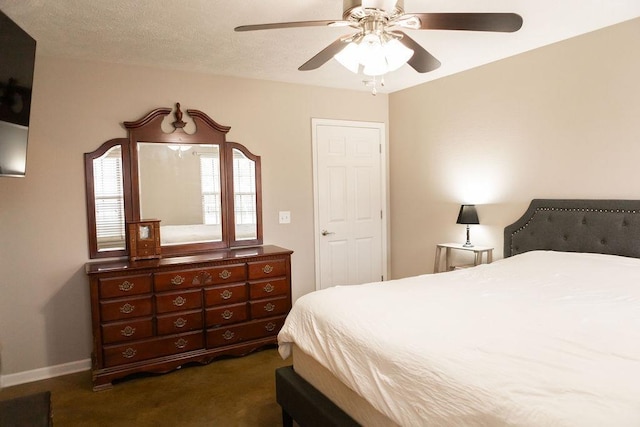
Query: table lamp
x=468 y=215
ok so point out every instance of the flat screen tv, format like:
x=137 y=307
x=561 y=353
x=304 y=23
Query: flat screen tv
x=17 y=61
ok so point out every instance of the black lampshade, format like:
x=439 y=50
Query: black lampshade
x=468 y=215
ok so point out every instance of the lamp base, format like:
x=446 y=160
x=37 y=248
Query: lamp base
x=468 y=243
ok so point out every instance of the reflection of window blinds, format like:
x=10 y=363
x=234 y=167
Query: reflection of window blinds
x=109 y=197
x=244 y=179
x=210 y=184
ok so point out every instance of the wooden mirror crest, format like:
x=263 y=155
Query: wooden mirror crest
x=205 y=191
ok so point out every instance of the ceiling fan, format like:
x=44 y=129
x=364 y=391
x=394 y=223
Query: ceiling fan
x=379 y=23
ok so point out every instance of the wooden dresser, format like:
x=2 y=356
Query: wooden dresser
x=156 y=315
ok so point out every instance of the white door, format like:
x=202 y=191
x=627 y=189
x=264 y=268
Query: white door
x=350 y=219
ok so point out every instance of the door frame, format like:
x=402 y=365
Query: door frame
x=315 y=122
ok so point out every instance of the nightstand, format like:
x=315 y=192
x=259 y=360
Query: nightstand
x=478 y=252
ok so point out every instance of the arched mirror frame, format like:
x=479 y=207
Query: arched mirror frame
x=234 y=241
x=149 y=130
x=123 y=143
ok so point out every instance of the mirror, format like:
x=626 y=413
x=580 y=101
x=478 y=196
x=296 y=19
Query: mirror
x=107 y=196
x=181 y=185
x=244 y=196
x=109 y=199
x=205 y=191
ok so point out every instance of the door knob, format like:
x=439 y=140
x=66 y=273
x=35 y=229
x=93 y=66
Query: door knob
x=326 y=233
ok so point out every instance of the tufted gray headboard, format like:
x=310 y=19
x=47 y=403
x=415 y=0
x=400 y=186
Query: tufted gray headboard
x=598 y=226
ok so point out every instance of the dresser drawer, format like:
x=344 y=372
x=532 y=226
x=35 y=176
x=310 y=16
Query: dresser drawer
x=226 y=314
x=124 y=286
x=178 y=301
x=268 y=288
x=225 y=294
x=227 y=335
x=264 y=269
x=149 y=349
x=125 y=308
x=179 y=322
x=227 y=274
x=182 y=279
x=129 y=330
x=176 y=280
x=269 y=307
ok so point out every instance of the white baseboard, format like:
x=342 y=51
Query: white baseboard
x=44 y=373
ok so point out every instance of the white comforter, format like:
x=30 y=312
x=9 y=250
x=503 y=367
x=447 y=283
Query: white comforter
x=539 y=339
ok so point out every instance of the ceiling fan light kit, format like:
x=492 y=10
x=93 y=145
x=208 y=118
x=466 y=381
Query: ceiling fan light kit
x=377 y=55
x=379 y=46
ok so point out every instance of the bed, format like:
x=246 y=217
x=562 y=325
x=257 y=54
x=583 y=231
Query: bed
x=549 y=335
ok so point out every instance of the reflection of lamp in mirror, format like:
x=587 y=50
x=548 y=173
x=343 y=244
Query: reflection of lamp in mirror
x=468 y=215
x=179 y=148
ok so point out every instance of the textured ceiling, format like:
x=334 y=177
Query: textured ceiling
x=198 y=34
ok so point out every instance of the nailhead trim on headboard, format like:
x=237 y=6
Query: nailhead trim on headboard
x=595 y=238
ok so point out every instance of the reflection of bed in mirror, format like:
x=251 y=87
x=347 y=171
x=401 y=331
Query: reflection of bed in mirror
x=550 y=335
x=198 y=233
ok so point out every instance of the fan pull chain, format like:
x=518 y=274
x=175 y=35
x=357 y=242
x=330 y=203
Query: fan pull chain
x=373 y=84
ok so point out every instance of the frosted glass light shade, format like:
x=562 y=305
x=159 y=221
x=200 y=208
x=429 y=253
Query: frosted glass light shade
x=349 y=57
x=372 y=56
x=396 y=54
x=179 y=147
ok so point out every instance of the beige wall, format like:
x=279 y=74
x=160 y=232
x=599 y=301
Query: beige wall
x=559 y=122
x=44 y=297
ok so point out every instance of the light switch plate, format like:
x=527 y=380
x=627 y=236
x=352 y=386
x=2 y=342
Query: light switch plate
x=284 y=217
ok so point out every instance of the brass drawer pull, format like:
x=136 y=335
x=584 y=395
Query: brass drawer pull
x=128 y=331
x=269 y=307
x=129 y=353
x=125 y=286
x=268 y=288
x=228 y=335
x=267 y=269
x=177 y=280
x=226 y=315
x=270 y=326
x=180 y=323
x=179 y=302
x=226 y=294
x=127 y=308
x=225 y=274
x=181 y=343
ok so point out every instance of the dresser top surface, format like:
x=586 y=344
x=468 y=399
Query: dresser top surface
x=230 y=254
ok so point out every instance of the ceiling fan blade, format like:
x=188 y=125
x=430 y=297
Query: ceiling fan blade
x=324 y=55
x=421 y=61
x=500 y=22
x=284 y=25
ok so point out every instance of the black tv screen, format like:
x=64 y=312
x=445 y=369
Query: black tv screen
x=17 y=61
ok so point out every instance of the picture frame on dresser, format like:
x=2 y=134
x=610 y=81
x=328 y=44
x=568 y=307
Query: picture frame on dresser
x=195 y=284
